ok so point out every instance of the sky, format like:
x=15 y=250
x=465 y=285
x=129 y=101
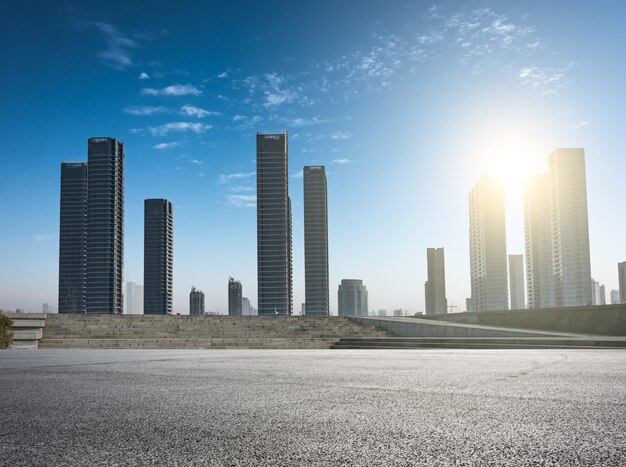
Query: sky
x=406 y=103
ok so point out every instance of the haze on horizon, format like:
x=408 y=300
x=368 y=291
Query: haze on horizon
x=405 y=103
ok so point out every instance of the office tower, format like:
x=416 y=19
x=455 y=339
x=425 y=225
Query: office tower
x=569 y=225
x=602 y=295
x=105 y=225
x=468 y=305
x=73 y=238
x=615 y=297
x=352 y=298
x=538 y=240
x=621 y=273
x=399 y=312
x=315 y=241
x=274 y=265
x=196 y=302
x=245 y=307
x=134 y=299
x=595 y=292
x=516 y=281
x=234 y=297
x=488 y=246
x=382 y=312
x=158 y=256
x=435 y=286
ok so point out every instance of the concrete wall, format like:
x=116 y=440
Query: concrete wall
x=604 y=320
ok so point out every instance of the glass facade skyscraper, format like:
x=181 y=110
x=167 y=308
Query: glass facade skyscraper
x=158 y=256
x=274 y=261
x=234 y=297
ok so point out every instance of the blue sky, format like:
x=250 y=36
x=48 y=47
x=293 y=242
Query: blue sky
x=405 y=103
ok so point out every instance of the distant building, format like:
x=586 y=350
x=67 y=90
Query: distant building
x=488 y=268
x=399 y=312
x=569 y=225
x=621 y=273
x=134 y=299
x=468 y=305
x=382 y=312
x=316 y=241
x=246 y=309
x=45 y=308
x=435 y=287
x=73 y=238
x=234 y=297
x=516 y=281
x=615 y=297
x=596 y=299
x=602 y=295
x=352 y=298
x=196 y=302
x=158 y=256
x=274 y=241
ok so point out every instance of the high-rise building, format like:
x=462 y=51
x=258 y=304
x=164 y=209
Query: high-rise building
x=615 y=297
x=602 y=295
x=158 y=258
x=621 y=275
x=435 y=286
x=134 y=299
x=196 y=302
x=595 y=292
x=569 y=227
x=488 y=246
x=538 y=239
x=315 y=241
x=246 y=309
x=352 y=298
x=274 y=260
x=516 y=281
x=234 y=297
x=105 y=225
x=73 y=238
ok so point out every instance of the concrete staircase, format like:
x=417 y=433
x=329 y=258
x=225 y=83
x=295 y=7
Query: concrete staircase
x=199 y=332
x=27 y=329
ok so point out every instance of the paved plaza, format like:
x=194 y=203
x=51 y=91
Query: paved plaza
x=312 y=407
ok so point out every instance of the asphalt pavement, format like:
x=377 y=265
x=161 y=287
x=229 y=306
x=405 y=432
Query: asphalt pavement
x=312 y=407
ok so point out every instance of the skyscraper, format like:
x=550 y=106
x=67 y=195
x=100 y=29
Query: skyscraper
x=246 y=309
x=569 y=226
x=615 y=297
x=105 y=225
x=196 y=302
x=538 y=240
x=273 y=225
x=595 y=292
x=352 y=298
x=488 y=246
x=158 y=256
x=621 y=275
x=516 y=281
x=134 y=299
x=435 y=286
x=73 y=238
x=234 y=297
x=602 y=294
x=315 y=241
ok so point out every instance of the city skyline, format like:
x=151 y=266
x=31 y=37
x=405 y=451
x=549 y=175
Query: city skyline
x=188 y=131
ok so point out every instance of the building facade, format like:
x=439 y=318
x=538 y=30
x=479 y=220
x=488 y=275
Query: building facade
x=352 y=298
x=615 y=297
x=316 y=241
x=435 y=286
x=516 y=282
x=134 y=299
x=488 y=265
x=105 y=225
x=246 y=308
x=234 y=297
x=274 y=256
x=73 y=239
x=158 y=258
x=621 y=276
x=196 y=302
x=569 y=227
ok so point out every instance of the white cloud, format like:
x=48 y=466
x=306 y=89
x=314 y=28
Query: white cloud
x=144 y=75
x=543 y=81
x=173 y=90
x=116 y=54
x=223 y=74
x=342 y=161
x=226 y=178
x=298 y=174
x=162 y=146
x=299 y=122
x=238 y=118
x=341 y=135
x=196 y=161
x=275 y=90
x=146 y=110
x=192 y=111
x=576 y=126
x=163 y=130
x=240 y=201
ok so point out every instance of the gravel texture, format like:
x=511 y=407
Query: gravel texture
x=313 y=407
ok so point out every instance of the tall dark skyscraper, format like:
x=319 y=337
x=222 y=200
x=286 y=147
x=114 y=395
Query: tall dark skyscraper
x=73 y=238
x=316 y=241
x=234 y=297
x=274 y=258
x=435 y=287
x=158 y=256
x=105 y=225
